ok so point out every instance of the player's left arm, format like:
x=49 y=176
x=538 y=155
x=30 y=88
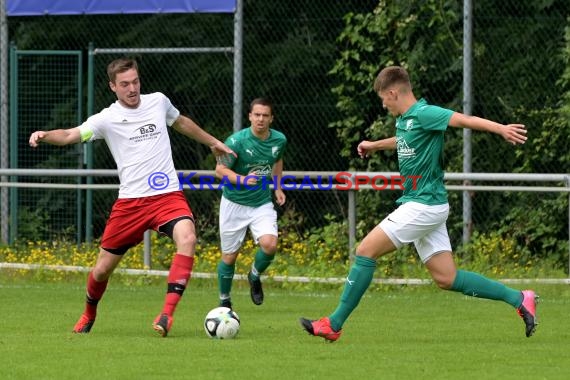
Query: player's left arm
x=189 y=128
x=277 y=174
x=513 y=133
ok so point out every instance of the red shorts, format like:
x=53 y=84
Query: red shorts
x=131 y=217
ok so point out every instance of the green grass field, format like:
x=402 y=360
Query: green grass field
x=415 y=332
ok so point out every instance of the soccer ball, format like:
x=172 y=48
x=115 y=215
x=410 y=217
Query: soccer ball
x=221 y=323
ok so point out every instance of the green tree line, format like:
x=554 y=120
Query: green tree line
x=317 y=61
x=529 y=88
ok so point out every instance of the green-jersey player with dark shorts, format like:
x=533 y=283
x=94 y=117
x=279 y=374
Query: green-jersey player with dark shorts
x=423 y=208
x=247 y=199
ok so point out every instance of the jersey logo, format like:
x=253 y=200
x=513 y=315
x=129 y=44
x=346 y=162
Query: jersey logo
x=261 y=170
x=409 y=124
x=147 y=128
x=250 y=152
x=275 y=151
x=404 y=151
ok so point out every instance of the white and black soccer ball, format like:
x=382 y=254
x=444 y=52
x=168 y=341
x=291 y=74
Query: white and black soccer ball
x=222 y=323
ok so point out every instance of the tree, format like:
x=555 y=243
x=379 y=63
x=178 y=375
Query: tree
x=422 y=37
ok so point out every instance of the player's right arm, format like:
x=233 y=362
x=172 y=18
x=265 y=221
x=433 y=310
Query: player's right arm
x=365 y=148
x=222 y=171
x=56 y=137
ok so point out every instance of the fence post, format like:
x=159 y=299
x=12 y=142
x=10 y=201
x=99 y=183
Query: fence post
x=146 y=250
x=467 y=106
x=238 y=64
x=4 y=127
x=568 y=193
x=351 y=221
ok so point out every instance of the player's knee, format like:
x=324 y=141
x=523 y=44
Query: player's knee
x=187 y=240
x=229 y=258
x=268 y=244
x=105 y=265
x=367 y=250
x=101 y=273
x=443 y=282
x=269 y=249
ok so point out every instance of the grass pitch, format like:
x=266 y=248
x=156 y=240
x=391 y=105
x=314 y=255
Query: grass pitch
x=395 y=333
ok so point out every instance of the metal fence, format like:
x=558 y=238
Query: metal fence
x=339 y=183
x=289 y=50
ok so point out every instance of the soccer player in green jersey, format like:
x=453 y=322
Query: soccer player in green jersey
x=423 y=208
x=247 y=198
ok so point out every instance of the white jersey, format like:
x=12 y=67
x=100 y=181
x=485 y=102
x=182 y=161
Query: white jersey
x=138 y=140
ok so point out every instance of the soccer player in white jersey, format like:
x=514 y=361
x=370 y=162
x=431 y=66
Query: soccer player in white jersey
x=422 y=214
x=135 y=130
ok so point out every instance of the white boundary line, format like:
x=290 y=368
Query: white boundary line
x=301 y=279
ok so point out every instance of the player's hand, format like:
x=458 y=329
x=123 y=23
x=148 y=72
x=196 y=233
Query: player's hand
x=280 y=197
x=36 y=137
x=251 y=179
x=514 y=133
x=365 y=148
x=221 y=151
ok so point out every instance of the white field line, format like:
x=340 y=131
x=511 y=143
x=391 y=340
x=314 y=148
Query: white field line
x=301 y=279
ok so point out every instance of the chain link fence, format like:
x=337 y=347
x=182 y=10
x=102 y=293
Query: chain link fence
x=289 y=52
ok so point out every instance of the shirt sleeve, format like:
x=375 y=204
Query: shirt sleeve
x=283 y=149
x=172 y=113
x=434 y=117
x=91 y=128
x=85 y=132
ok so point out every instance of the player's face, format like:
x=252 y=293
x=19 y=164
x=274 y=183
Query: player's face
x=127 y=88
x=260 y=118
x=389 y=100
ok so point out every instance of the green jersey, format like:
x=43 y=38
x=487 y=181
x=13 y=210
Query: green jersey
x=253 y=155
x=419 y=142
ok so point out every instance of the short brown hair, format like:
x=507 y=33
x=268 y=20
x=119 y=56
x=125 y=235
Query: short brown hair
x=261 y=101
x=120 y=66
x=391 y=76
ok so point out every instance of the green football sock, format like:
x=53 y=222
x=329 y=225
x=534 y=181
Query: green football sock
x=261 y=263
x=475 y=285
x=225 y=278
x=358 y=280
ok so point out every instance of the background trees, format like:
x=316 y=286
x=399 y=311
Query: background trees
x=317 y=61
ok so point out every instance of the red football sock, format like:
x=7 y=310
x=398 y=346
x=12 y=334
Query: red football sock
x=95 y=292
x=180 y=271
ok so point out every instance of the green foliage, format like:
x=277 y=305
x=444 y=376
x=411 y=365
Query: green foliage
x=412 y=35
x=541 y=230
x=426 y=39
x=508 y=74
x=423 y=37
x=33 y=224
x=287 y=46
x=493 y=253
x=323 y=253
x=508 y=36
x=287 y=50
